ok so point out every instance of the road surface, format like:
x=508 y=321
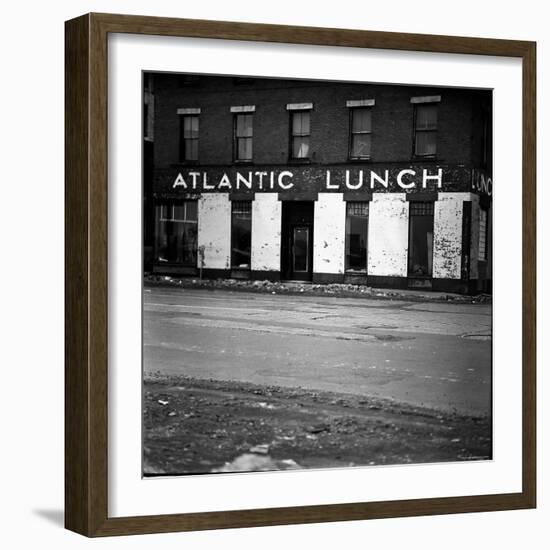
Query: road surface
x=436 y=355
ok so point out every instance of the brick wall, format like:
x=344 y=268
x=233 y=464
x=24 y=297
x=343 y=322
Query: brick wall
x=392 y=119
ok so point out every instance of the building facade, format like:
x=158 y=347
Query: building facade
x=376 y=184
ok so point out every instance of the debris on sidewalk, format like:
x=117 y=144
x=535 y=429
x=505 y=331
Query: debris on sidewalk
x=260 y=449
x=304 y=288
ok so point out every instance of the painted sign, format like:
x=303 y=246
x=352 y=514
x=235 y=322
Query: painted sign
x=285 y=180
x=481 y=183
x=314 y=178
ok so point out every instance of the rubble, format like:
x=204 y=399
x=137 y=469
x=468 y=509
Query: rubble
x=223 y=426
x=304 y=288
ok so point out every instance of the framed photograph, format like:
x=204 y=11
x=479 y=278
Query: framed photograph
x=300 y=275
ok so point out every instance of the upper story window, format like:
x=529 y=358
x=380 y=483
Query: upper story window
x=425 y=125
x=361 y=133
x=243 y=137
x=189 y=134
x=300 y=134
x=300 y=130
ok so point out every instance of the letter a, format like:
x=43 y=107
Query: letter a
x=179 y=182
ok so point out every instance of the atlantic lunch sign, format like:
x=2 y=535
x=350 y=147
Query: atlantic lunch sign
x=333 y=179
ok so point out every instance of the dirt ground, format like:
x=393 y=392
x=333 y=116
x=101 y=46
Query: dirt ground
x=203 y=426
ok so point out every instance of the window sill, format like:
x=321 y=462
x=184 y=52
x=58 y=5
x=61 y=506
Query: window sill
x=360 y=159
x=187 y=163
x=424 y=158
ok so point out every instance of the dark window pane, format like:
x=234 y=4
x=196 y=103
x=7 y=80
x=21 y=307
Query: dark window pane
x=178 y=212
x=421 y=221
x=426 y=130
x=482 y=251
x=189 y=244
x=195 y=127
x=421 y=208
x=300 y=123
x=301 y=252
x=241 y=234
x=425 y=143
x=190 y=137
x=356 y=236
x=243 y=137
x=426 y=117
x=190 y=127
x=358 y=208
x=242 y=208
x=244 y=126
x=191 y=210
x=244 y=149
x=361 y=120
x=191 y=149
x=176 y=237
x=145 y=119
x=162 y=212
x=361 y=144
x=300 y=147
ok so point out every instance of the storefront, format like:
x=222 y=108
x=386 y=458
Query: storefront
x=393 y=227
x=419 y=223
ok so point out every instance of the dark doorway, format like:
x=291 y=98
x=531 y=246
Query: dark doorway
x=421 y=234
x=297 y=240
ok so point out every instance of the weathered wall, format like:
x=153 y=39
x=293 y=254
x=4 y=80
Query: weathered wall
x=215 y=230
x=448 y=235
x=266 y=233
x=388 y=235
x=329 y=233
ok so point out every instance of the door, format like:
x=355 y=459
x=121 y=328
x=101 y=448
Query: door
x=301 y=253
x=297 y=240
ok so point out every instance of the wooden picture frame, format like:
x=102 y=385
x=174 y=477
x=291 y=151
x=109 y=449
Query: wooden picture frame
x=86 y=283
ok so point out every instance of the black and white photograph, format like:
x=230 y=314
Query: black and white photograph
x=317 y=274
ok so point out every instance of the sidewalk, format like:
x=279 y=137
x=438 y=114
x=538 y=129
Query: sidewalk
x=305 y=288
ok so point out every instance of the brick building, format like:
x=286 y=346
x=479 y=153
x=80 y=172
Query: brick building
x=384 y=185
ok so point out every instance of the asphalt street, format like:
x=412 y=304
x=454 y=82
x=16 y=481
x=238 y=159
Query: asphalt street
x=423 y=353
